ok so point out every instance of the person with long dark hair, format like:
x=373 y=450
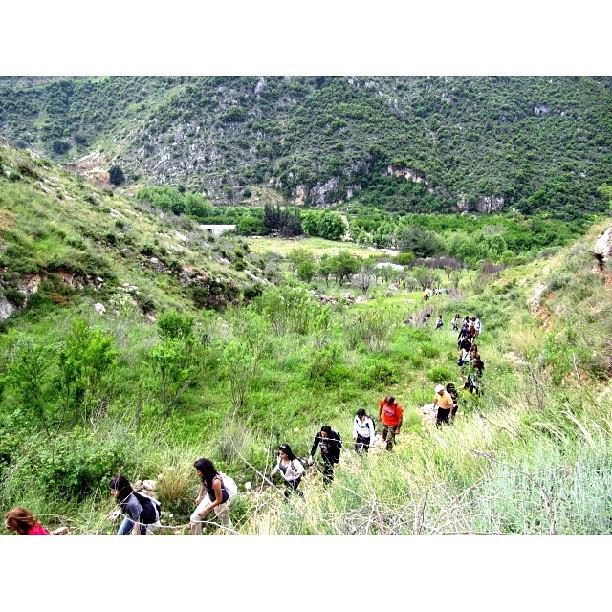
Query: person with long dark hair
x=290 y=468
x=329 y=443
x=139 y=511
x=213 y=496
x=23 y=522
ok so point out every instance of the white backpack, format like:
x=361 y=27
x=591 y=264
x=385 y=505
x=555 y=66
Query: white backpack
x=229 y=485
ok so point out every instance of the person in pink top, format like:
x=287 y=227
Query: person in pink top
x=23 y=522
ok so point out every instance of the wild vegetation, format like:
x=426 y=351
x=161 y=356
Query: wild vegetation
x=134 y=342
x=404 y=144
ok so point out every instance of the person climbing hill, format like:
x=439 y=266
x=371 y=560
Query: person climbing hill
x=444 y=401
x=439 y=322
x=452 y=391
x=139 y=511
x=455 y=323
x=214 y=495
x=329 y=442
x=391 y=415
x=363 y=431
x=465 y=345
x=23 y=522
x=290 y=468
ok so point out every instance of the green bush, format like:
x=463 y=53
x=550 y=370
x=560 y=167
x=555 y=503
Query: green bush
x=381 y=373
x=429 y=351
x=74 y=465
x=440 y=374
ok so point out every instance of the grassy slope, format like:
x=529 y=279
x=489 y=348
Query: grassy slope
x=532 y=456
x=530 y=463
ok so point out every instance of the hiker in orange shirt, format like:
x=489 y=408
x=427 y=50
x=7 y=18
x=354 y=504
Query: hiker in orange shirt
x=391 y=416
x=444 y=402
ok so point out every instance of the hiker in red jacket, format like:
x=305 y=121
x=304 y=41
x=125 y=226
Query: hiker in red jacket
x=391 y=416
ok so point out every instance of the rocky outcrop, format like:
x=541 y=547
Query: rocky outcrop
x=6 y=308
x=540 y=110
x=210 y=292
x=319 y=192
x=407 y=173
x=154 y=264
x=489 y=204
x=603 y=249
x=347 y=299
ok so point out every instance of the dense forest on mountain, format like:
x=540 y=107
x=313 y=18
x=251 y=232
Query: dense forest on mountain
x=403 y=144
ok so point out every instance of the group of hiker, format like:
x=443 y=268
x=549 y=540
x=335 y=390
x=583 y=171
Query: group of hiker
x=141 y=512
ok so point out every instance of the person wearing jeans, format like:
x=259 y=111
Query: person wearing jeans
x=134 y=521
x=391 y=416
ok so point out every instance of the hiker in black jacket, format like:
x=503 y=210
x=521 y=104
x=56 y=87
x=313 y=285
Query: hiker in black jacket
x=330 y=443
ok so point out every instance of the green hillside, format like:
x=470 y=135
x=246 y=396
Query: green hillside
x=409 y=144
x=133 y=341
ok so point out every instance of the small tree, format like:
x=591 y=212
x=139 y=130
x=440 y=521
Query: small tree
x=343 y=265
x=116 y=175
x=326 y=264
x=304 y=264
x=86 y=358
x=364 y=279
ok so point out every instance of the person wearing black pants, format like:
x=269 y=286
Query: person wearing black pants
x=330 y=443
x=444 y=402
x=291 y=470
x=363 y=431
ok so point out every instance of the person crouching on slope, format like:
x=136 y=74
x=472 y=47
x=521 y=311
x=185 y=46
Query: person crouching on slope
x=330 y=443
x=213 y=496
x=392 y=417
x=290 y=468
x=139 y=511
x=363 y=431
x=445 y=402
x=23 y=522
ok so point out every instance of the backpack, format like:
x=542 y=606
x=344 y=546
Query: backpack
x=229 y=484
x=373 y=426
x=151 y=508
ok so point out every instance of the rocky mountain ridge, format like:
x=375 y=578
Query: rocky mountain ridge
x=484 y=143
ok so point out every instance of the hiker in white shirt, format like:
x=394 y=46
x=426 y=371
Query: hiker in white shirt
x=363 y=431
x=291 y=469
x=478 y=326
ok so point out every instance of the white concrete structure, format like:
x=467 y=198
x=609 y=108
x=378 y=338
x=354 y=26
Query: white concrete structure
x=217 y=230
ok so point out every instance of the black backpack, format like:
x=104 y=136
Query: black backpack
x=151 y=509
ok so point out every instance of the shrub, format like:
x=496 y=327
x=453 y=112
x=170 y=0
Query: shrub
x=374 y=327
x=173 y=324
x=381 y=373
x=25 y=168
x=429 y=351
x=116 y=176
x=175 y=487
x=60 y=147
x=73 y=465
x=440 y=374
